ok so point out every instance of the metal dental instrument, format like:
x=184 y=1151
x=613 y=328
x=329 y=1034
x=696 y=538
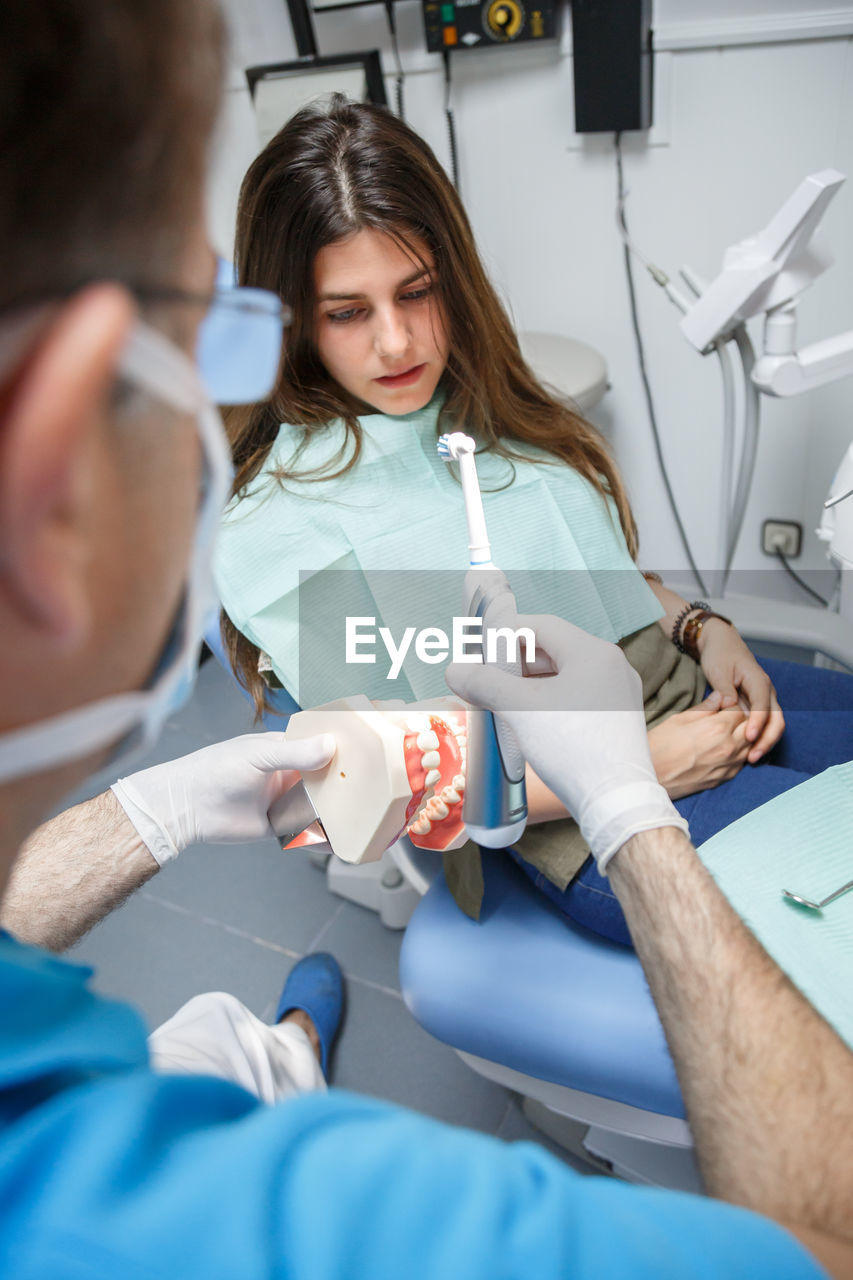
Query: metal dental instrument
x=816 y=906
x=834 y=501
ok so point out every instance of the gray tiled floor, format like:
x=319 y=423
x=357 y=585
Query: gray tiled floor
x=236 y=918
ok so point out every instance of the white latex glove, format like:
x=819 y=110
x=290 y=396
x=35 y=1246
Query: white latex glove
x=234 y=791
x=582 y=728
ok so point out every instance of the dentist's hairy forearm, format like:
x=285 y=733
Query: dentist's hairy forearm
x=72 y=872
x=768 y=1085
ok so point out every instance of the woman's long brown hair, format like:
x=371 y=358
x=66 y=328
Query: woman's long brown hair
x=340 y=167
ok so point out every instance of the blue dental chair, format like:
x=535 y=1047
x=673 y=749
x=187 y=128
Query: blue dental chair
x=540 y=1005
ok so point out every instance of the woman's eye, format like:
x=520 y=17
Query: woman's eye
x=343 y=317
x=416 y=295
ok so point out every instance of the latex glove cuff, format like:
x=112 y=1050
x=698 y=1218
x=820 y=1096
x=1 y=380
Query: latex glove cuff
x=608 y=821
x=154 y=836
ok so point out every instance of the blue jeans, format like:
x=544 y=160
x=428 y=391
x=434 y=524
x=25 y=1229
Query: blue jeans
x=818 y=707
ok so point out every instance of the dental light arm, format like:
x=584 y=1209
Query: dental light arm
x=765 y=274
x=762 y=275
x=783 y=371
x=767 y=270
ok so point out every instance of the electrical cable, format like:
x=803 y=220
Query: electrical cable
x=792 y=573
x=395 y=49
x=641 y=355
x=451 y=125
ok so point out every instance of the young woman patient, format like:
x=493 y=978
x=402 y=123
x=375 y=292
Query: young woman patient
x=398 y=336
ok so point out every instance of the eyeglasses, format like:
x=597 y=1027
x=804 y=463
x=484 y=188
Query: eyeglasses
x=238 y=351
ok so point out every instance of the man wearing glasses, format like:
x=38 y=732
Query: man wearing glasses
x=113 y=474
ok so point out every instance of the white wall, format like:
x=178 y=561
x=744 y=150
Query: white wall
x=750 y=97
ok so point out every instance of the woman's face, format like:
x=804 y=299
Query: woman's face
x=379 y=328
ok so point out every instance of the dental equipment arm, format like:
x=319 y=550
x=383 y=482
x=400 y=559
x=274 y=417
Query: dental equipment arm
x=764 y=275
x=84 y=863
x=768 y=1085
x=767 y=270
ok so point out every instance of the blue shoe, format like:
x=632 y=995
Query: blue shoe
x=315 y=985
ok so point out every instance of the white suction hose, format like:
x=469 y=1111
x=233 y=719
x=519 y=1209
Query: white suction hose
x=749 y=447
x=727 y=460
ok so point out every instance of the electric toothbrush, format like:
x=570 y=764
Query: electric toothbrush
x=494 y=808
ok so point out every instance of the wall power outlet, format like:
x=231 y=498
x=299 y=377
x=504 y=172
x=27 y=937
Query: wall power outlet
x=781 y=535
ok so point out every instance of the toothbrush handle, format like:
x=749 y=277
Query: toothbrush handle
x=479 y=551
x=485 y=594
x=495 y=805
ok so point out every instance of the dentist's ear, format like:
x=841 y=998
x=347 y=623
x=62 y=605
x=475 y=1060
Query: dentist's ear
x=51 y=407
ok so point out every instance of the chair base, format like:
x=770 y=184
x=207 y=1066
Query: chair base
x=638 y=1146
x=378 y=886
x=638 y=1160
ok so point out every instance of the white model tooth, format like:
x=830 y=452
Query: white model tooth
x=430 y=760
x=436 y=809
x=421 y=826
x=462 y=739
x=428 y=740
x=417 y=723
x=458 y=783
x=432 y=778
x=450 y=795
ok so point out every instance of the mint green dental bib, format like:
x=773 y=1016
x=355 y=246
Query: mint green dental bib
x=367 y=544
x=803 y=841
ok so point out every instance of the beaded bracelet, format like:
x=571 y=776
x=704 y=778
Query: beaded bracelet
x=692 y=630
x=682 y=618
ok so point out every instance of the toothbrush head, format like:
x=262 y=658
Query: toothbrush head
x=453 y=445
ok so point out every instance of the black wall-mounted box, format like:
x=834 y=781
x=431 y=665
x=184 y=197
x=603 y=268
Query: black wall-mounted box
x=612 y=56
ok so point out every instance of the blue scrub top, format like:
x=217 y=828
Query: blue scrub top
x=107 y=1169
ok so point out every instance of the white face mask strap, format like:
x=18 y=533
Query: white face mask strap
x=69 y=736
x=154 y=363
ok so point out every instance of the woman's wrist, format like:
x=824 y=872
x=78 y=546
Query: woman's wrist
x=710 y=627
x=696 y=631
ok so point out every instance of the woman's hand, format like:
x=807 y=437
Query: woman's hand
x=699 y=748
x=733 y=672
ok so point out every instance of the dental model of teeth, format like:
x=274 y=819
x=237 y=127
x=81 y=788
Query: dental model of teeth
x=435 y=748
x=394 y=771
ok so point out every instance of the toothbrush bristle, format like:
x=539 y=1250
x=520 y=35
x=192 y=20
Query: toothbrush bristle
x=453 y=444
